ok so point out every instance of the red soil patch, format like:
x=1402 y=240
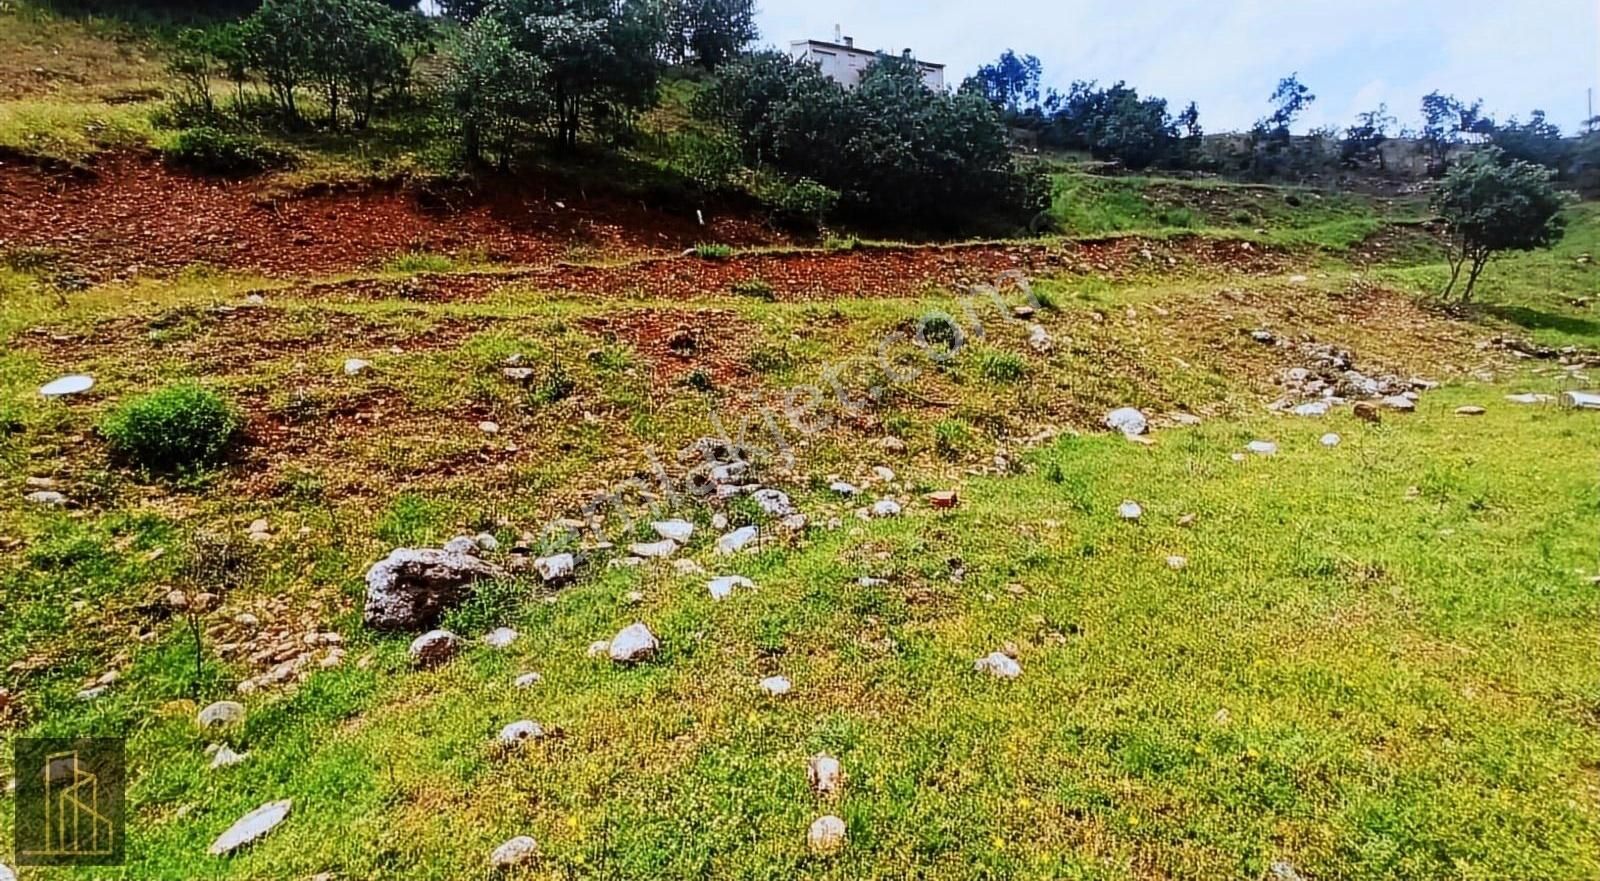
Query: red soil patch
x=135 y=214
x=677 y=343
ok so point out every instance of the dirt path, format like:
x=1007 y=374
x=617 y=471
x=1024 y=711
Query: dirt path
x=134 y=214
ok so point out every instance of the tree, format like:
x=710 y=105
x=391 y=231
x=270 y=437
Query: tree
x=493 y=89
x=710 y=31
x=1288 y=100
x=1115 y=123
x=1491 y=204
x=1538 y=141
x=1362 y=141
x=1011 y=83
x=1445 y=119
x=599 y=58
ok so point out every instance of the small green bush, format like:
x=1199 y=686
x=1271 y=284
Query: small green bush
x=951 y=438
x=556 y=385
x=937 y=329
x=840 y=243
x=713 y=251
x=1001 y=366
x=754 y=287
x=177 y=428
x=214 y=151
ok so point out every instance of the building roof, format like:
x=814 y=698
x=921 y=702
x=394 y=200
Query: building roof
x=828 y=44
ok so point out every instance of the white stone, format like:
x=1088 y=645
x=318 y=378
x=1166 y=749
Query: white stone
x=719 y=521
x=517 y=374
x=515 y=852
x=826 y=835
x=251 y=827
x=844 y=489
x=735 y=540
x=1298 y=279
x=654 y=550
x=774 y=502
x=633 y=643
x=555 y=568
x=1314 y=408
x=260 y=525
x=461 y=544
x=434 y=647
x=486 y=542
x=674 y=530
x=999 y=665
x=71 y=384
x=776 y=686
x=1530 y=398
x=1176 y=562
x=886 y=508
x=1399 y=402
x=488 y=427
x=723 y=587
x=500 y=637
x=356 y=366
x=48 y=498
x=1262 y=448
x=1130 y=510
x=1331 y=439
x=527 y=680
x=225 y=757
x=600 y=648
x=518 y=733
x=825 y=775
x=1039 y=339
x=1127 y=420
x=883 y=473
x=221 y=714
x=6 y=874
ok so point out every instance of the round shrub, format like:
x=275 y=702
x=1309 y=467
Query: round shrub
x=176 y=428
x=214 y=151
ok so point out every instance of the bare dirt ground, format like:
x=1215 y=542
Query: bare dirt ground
x=132 y=215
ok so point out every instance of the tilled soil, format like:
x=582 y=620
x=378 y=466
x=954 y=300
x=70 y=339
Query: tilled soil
x=133 y=215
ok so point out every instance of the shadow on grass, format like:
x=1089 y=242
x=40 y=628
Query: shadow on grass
x=1535 y=319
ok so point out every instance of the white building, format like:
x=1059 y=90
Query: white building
x=843 y=63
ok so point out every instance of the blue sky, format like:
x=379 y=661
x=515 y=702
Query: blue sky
x=1227 y=55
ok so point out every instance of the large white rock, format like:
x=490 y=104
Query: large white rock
x=434 y=648
x=500 y=637
x=72 y=384
x=843 y=488
x=674 y=530
x=826 y=835
x=1313 y=408
x=723 y=586
x=1399 y=402
x=527 y=680
x=776 y=686
x=47 y=497
x=355 y=366
x=1530 y=398
x=1127 y=420
x=225 y=757
x=1262 y=448
x=555 y=568
x=250 y=827
x=221 y=714
x=999 y=665
x=633 y=643
x=516 y=734
x=774 y=502
x=825 y=775
x=6 y=874
x=654 y=550
x=515 y=852
x=885 y=508
x=1331 y=439
x=732 y=542
x=1130 y=510
x=412 y=587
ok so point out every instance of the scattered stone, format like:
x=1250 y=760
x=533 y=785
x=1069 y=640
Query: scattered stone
x=723 y=586
x=1262 y=448
x=844 y=489
x=1331 y=439
x=942 y=499
x=999 y=665
x=92 y=692
x=674 y=530
x=221 y=714
x=774 y=502
x=500 y=637
x=1313 y=408
x=434 y=648
x=793 y=523
x=1470 y=411
x=1282 y=870
x=527 y=680
x=412 y=587
x=517 y=374
x=225 y=757
x=776 y=686
x=892 y=444
x=72 y=384
x=1022 y=312
x=1400 y=403
x=489 y=427
x=1176 y=562
x=1298 y=279
x=1581 y=400
x=1127 y=420
x=1366 y=411
x=654 y=550
x=46 y=497
x=356 y=366
x=555 y=569
x=247 y=620
x=518 y=851
x=461 y=544
x=719 y=521
x=516 y=734
x=6 y=874
x=826 y=835
x=825 y=775
x=1039 y=339
x=251 y=827
x=634 y=643
x=885 y=508
x=1187 y=520
x=883 y=473
x=1530 y=398
x=1264 y=337
x=1130 y=510
x=735 y=540
x=600 y=648
x=40 y=483
x=486 y=542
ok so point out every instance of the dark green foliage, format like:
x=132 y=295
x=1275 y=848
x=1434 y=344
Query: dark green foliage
x=1362 y=141
x=713 y=251
x=1116 y=124
x=1538 y=141
x=556 y=385
x=493 y=90
x=214 y=151
x=1011 y=83
x=1492 y=204
x=894 y=150
x=709 y=32
x=1444 y=120
x=178 y=428
x=758 y=288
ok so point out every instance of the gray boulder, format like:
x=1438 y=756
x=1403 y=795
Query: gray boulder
x=412 y=587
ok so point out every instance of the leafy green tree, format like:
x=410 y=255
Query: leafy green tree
x=493 y=88
x=1538 y=140
x=1011 y=83
x=1493 y=204
x=1363 y=141
x=193 y=63
x=1445 y=119
x=1288 y=100
x=712 y=32
x=599 y=58
x=1115 y=123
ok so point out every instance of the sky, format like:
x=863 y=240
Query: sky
x=1227 y=55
